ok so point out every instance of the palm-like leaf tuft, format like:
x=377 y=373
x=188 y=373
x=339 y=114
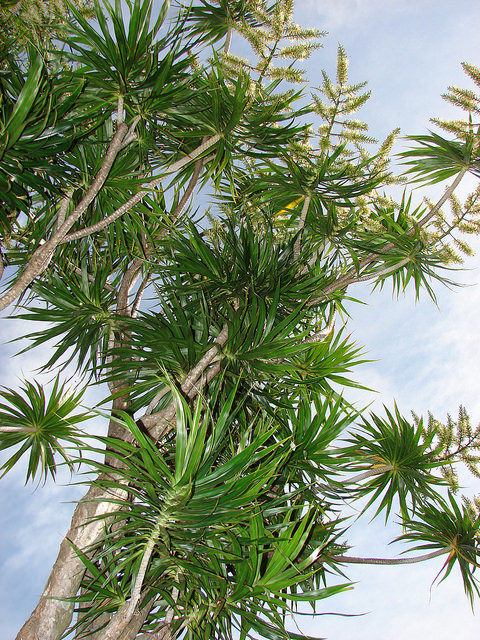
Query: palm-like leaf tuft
x=40 y=425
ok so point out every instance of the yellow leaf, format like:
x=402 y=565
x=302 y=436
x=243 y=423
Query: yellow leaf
x=290 y=205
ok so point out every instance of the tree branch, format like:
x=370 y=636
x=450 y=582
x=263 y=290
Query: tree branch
x=177 y=166
x=368 y=474
x=62 y=211
x=301 y=223
x=228 y=40
x=354 y=276
x=53 y=612
x=189 y=190
x=43 y=254
x=391 y=561
x=160 y=423
x=139 y=296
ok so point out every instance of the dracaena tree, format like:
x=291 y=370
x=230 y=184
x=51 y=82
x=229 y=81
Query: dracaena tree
x=186 y=226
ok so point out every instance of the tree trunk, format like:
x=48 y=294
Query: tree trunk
x=52 y=615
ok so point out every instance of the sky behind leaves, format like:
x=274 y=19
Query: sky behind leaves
x=428 y=357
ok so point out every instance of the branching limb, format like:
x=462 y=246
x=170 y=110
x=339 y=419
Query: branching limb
x=43 y=254
x=160 y=423
x=354 y=275
x=131 y=133
x=53 y=612
x=177 y=166
x=136 y=623
x=203 y=363
x=120 y=109
x=163 y=392
x=130 y=277
x=448 y=193
x=368 y=474
x=323 y=333
x=62 y=211
x=228 y=40
x=301 y=223
x=392 y=561
x=189 y=190
x=139 y=295
x=204 y=379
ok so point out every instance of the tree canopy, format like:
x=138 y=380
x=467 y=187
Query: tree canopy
x=185 y=223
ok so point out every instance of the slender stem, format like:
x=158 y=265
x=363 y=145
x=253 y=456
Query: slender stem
x=228 y=40
x=301 y=224
x=448 y=192
x=160 y=422
x=122 y=618
x=191 y=186
x=367 y=474
x=203 y=363
x=62 y=211
x=170 y=612
x=353 y=276
x=129 y=279
x=318 y=251
x=139 y=296
x=135 y=624
x=131 y=134
x=323 y=333
x=120 y=109
x=43 y=254
x=177 y=166
x=163 y=392
x=97 y=184
x=391 y=561
x=142 y=570
x=204 y=379
x=382 y=272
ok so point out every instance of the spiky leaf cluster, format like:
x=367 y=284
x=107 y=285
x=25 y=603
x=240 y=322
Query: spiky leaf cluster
x=186 y=231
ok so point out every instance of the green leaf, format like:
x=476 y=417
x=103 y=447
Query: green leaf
x=40 y=426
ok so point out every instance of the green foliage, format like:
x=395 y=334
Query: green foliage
x=36 y=21
x=216 y=530
x=435 y=158
x=454 y=528
x=404 y=462
x=186 y=230
x=37 y=425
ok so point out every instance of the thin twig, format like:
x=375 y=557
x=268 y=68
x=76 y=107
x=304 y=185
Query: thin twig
x=228 y=40
x=131 y=133
x=62 y=211
x=129 y=279
x=139 y=295
x=323 y=333
x=120 y=109
x=154 y=402
x=160 y=422
x=189 y=190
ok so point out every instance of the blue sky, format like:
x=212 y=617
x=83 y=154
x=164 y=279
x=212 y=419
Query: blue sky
x=427 y=357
